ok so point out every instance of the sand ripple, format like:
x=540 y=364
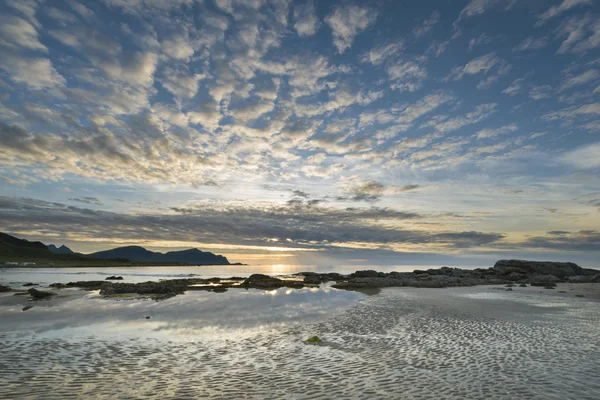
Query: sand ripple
x=404 y=343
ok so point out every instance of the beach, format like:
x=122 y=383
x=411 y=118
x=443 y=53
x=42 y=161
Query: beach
x=416 y=343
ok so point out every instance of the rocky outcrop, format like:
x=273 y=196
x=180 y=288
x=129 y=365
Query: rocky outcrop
x=38 y=294
x=505 y=272
x=558 y=269
x=4 y=289
x=114 y=278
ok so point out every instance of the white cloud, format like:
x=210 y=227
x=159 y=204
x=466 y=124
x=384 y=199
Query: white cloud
x=306 y=20
x=444 y=124
x=585 y=157
x=490 y=132
x=347 y=21
x=532 y=43
x=540 y=92
x=377 y=55
x=406 y=76
x=582 y=34
x=15 y=31
x=581 y=79
x=178 y=47
x=422 y=107
x=476 y=7
x=574 y=112
x=427 y=25
x=477 y=65
x=561 y=8
x=515 y=87
x=180 y=82
x=35 y=72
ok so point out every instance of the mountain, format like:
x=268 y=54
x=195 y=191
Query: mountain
x=140 y=254
x=14 y=247
x=60 y=250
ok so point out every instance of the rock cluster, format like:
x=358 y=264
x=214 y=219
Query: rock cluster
x=505 y=272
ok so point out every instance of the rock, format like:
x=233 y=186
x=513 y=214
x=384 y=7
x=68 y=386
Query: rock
x=114 y=278
x=549 y=287
x=562 y=291
x=544 y=280
x=314 y=339
x=579 y=295
x=366 y=274
x=147 y=317
x=58 y=285
x=558 y=269
x=220 y=289
x=4 y=289
x=38 y=294
x=27 y=308
x=30 y=284
x=522 y=285
x=509 y=290
x=595 y=279
x=312 y=280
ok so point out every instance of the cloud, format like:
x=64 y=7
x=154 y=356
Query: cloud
x=532 y=43
x=491 y=133
x=581 y=79
x=584 y=157
x=297 y=225
x=444 y=125
x=556 y=10
x=306 y=20
x=87 y=200
x=369 y=191
x=477 y=7
x=571 y=113
x=515 y=87
x=583 y=240
x=378 y=55
x=34 y=72
x=406 y=76
x=347 y=21
x=17 y=32
x=477 y=65
x=540 y=92
x=427 y=25
x=582 y=34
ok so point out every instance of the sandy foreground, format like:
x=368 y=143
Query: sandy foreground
x=457 y=343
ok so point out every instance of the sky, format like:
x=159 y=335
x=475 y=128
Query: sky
x=317 y=132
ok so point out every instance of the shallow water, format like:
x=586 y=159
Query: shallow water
x=14 y=276
x=458 y=343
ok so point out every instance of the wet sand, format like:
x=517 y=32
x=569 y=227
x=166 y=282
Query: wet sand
x=454 y=343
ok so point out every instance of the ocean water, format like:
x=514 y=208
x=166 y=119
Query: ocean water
x=142 y=274
x=403 y=343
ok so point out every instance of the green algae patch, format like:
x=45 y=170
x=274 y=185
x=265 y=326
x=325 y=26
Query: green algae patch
x=314 y=339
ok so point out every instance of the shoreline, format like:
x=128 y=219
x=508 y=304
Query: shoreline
x=505 y=272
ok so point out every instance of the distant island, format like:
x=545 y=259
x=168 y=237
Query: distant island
x=23 y=252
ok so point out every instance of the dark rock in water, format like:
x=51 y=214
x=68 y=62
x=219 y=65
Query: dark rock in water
x=314 y=339
x=114 y=278
x=562 y=291
x=147 y=317
x=30 y=284
x=579 y=295
x=27 y=308
x=38 y=294
x=312 y=280
x=509 y=290
x=522 y=285
x=549 y=287
x=261 y=281
x=4 y=289
x=558 y=269
x=366 y=274
x=58 y=285
x=220 y=289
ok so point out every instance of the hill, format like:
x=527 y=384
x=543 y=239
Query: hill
x=60 y=250
x=11 y=246
x=140 y=254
